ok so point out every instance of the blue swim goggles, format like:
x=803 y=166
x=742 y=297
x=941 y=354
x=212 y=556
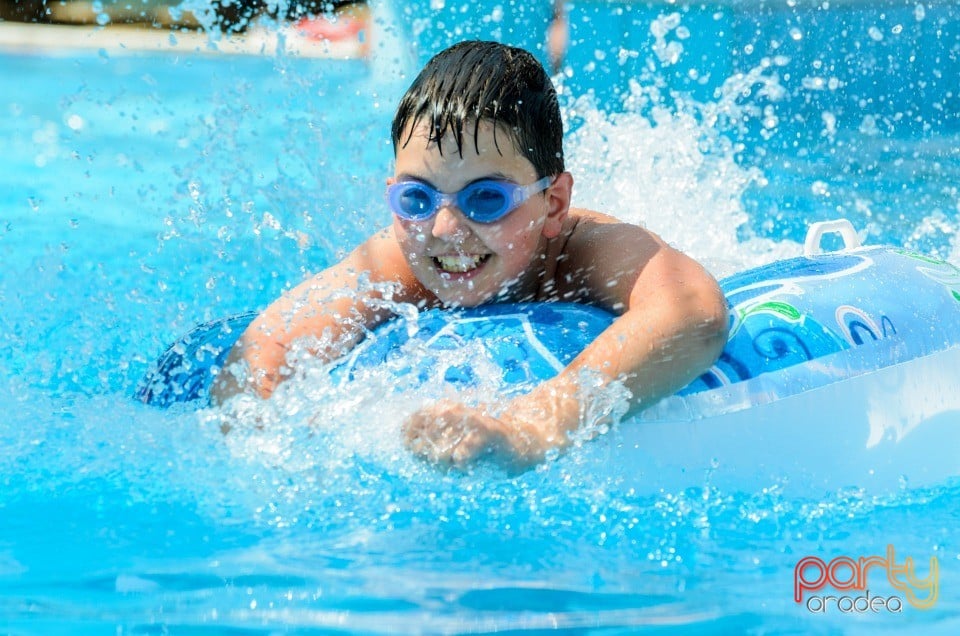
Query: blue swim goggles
x=483 y=201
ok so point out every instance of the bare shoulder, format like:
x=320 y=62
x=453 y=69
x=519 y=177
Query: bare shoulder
x=599 y=241
x=611 y=262
x=379 y=255
x=593 y=215
x=372 y=269
x=333 y=308
x=377 y=260
x=589 y=222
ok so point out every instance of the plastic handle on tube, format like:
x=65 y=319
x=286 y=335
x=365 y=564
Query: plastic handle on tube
x=843 y=227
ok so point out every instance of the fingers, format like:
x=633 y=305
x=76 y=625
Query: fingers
x=469 y=448
x=450 y=435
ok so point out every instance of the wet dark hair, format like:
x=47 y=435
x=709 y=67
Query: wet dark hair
x=478 y=81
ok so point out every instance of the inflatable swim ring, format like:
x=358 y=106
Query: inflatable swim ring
x=819 y=315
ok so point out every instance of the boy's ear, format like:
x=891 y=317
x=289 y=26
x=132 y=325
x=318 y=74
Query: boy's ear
x=558 y=204
x=391 y=181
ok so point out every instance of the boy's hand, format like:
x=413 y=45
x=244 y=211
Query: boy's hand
x=453 y=434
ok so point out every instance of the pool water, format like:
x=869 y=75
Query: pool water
x=144 y=193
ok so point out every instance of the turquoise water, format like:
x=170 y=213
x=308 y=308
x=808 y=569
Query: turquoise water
x=143 y=194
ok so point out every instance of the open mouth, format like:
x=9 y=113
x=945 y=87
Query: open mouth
x=460 y=263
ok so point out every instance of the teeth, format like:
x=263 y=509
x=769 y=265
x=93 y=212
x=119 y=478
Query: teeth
x=459 y=263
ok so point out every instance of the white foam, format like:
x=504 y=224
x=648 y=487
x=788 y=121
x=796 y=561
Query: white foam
x=672 y=171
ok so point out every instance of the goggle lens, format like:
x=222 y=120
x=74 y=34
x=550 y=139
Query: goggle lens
x=415 y=201
x=482 y=201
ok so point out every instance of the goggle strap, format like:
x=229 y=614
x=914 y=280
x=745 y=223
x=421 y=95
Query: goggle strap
x=525 y=192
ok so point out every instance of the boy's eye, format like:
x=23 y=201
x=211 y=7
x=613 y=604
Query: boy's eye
x=485 y=199
x=415 y=201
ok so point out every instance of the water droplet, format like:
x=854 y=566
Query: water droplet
x=75 y=122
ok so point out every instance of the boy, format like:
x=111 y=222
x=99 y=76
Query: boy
x=481 y=205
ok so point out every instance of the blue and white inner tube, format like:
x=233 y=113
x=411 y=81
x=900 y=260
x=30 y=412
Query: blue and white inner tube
x=797 y=326
x=814 y=313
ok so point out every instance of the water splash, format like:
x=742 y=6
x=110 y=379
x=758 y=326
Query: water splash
x=288 y=526
x=669 y=163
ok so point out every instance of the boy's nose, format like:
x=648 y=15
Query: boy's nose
x=448 y=222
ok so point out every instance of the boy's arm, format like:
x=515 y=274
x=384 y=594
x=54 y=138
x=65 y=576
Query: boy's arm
x=673 y=325
x=335 y=306
x=673 y=316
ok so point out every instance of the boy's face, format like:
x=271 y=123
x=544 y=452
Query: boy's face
x=463 y=262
